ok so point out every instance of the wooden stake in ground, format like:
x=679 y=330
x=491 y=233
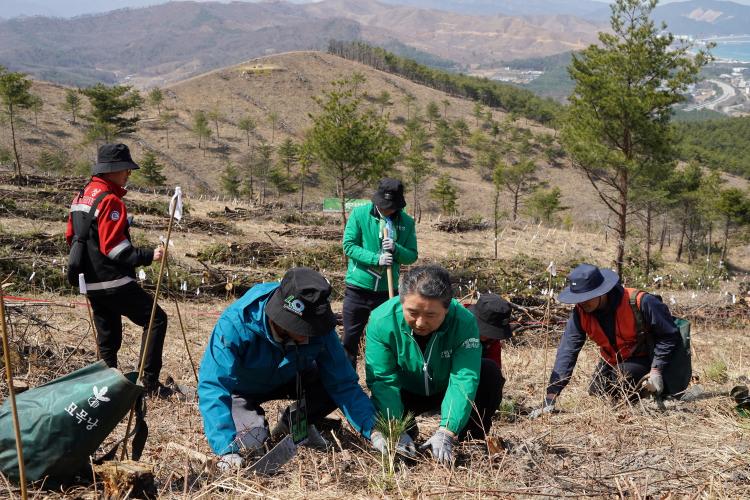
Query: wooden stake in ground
x=182 y=327
x=12 y=396
x=174 y=208
x=388 y=269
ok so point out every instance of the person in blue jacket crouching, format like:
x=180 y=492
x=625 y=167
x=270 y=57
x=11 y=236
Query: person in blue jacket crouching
x=278 y=341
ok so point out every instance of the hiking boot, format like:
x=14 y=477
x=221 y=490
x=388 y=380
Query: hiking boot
x=315 y=439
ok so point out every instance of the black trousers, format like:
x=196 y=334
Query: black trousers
x=486 y=403
x=358 y=303
x=619 y=381
x=135 y=303
x=318 y=402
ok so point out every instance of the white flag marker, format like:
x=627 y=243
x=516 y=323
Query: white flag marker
x=175 y=205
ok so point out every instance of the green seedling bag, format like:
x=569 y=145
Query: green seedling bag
x=65 y=421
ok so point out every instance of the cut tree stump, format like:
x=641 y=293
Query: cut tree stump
x=127 y=479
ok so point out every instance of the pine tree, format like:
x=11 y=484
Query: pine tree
x=36 y=107
x=14 y=92
x=433 y=113
x=201 y=128
x=150 y=173
x=108 y=107
x=446 y=194
x=155 y=98
x=625 y=89
x=518 y=179
x=353 y=146
x=72 y=104
x=288 y=154
x=230 y=180
x=247 y=125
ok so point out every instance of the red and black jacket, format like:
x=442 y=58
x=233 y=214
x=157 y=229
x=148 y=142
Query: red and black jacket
x=111 y=258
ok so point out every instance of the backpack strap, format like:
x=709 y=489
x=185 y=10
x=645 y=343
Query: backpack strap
x=82 y=231
x=643 y=340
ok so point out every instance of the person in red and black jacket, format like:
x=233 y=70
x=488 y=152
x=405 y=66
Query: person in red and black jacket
x=109 y=265
x=492 y=313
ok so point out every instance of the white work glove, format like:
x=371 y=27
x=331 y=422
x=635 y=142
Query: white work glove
x=441 y=446
x=388 y=245
x=229 y=461
x=385 y=259
x=547 y=407
x=654 y=383
x=378 y=442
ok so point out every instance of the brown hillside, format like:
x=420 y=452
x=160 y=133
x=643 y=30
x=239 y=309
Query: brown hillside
x=287 y=91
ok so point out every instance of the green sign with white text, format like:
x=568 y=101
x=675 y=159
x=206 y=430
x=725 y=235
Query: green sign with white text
x=334 y=204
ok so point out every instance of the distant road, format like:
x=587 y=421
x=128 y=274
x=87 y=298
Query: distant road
x=727 y=92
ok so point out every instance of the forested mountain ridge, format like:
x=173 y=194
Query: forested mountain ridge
x=168 y=42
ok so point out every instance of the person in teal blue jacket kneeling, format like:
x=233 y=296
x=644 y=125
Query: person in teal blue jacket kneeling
x=278 y=341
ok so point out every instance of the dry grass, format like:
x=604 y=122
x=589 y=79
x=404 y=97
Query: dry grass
x=591 y=448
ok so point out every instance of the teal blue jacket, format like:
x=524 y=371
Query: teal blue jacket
x=243 y=358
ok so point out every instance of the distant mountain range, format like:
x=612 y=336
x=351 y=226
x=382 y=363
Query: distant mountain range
x=172 y=41
x=700 y=18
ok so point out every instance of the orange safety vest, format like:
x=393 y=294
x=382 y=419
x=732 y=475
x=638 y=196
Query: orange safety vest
x=626 y=335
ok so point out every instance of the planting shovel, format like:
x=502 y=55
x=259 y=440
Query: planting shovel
x=277 y=457
x=389 y=269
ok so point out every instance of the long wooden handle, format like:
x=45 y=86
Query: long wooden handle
x=388 y=270
x=12 y=397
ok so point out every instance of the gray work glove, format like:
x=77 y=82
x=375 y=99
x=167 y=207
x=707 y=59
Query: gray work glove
x=406 y=446
x=654 y=383
x=547 y=407
x=388 y=245
x=252 y=432
x=385 y=259
x=379 y=442
x=441 y=446
x=229 y=461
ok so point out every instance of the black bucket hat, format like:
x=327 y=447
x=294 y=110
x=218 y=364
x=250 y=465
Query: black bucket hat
x=587 y=282
x=493 y=316
x=113 y=158
x=390 y=195
x=300 y=305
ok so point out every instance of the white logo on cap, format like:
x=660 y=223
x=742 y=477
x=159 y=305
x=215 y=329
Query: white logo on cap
x=294 y=305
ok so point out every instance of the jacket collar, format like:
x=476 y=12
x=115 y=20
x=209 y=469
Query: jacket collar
x=110 y=186
x=375 y=213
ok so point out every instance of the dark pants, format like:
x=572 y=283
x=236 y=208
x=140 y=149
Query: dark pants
x=134 y=303
x=486 y=403
x=621 y=380
x=358 y=303
x=318 y=402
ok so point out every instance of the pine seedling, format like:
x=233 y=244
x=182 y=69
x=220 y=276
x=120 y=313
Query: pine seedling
x=392 y=428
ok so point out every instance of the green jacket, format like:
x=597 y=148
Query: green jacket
x=362 y=241
x=451 y=362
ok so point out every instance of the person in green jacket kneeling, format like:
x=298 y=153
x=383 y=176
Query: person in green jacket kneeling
x=423 y=353
x=371 y=253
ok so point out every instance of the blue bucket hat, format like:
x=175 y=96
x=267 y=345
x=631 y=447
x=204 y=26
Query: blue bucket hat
x=587 y=282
